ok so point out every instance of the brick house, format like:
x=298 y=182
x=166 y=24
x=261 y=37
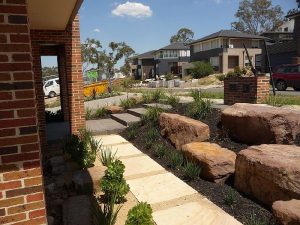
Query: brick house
x=224 y=50
x=30 y=29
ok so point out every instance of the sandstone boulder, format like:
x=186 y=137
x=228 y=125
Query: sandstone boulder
x=181 y=130
x=217 y=163
x=88 y=180
x=287 y=212
x=269 y=172
x=113 y=109
x=261 y=124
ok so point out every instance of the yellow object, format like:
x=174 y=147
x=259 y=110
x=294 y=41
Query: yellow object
x=97 y=88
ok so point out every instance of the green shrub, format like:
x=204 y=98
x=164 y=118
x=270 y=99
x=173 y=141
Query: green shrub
x=105 y=213
x=83 y=148
x=173 y=100
x=106 y=156
x=221 y=77
x=157 y=95
x=199 y=109
x=132 y=131
x=100 y=112
x=147 y=97
x=128 y=103
x=237 y=72
x=230 y=197
x=88 y=114
x=175 y=159
x=152 y=115
x=150 y=136
x=201 y=69
x=191 y=170
x=253 y=220
x=169 y=76
x=113 y=181
x=141 y=214
x=160 y=150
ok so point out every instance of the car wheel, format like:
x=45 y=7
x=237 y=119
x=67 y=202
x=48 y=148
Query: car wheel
x=281 y=85
x=297 y=88
x=52 y=94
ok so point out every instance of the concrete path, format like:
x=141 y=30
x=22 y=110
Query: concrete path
x=172 y=200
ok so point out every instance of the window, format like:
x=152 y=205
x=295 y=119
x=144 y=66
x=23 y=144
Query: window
x=50 y=83
x=57 y=81
x=214 y=61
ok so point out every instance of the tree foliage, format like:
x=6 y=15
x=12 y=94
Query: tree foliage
x=90 y=53
x=48 y=71
x=184 y=35
x=256 y=16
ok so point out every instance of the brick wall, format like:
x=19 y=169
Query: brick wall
x=68 y=49
x=246 y=90
x=21 y=187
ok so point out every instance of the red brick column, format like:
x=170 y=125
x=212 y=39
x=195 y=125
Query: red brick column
x=253 y=90
x=75 y=78
x=21 y=188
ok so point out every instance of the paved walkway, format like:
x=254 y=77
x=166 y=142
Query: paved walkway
x=173 y=201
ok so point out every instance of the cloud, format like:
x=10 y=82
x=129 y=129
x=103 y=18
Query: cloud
x=97 y=30
x=132 y=9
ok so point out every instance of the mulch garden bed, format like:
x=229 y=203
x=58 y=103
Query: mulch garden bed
x=245 y=209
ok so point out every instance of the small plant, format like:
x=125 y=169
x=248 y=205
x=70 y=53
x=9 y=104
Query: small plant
x=152 y=115
x=147 y=97
x=105 y=214
x=201 y=69
x=253 y=220
x=100 y=112
x=199 y=109
x=160 y=150
x=128 y=103
x=141 y=214
x=230 y=198
x=169 y=76
x=132 y=131
x=150 y=136
x=173 y=100
x=113 y=181
x=221 y=77
x=191 y=170
x=83 y=148
x=175 y=159
x=88 y=114
x=157 y=95
x=106 y=156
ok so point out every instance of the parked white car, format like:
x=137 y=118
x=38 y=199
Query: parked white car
x=52 y=88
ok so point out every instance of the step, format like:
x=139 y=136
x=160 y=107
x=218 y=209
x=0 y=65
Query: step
x=125 y=118
x=139 y=112
x=158 y=105
x=104 y=126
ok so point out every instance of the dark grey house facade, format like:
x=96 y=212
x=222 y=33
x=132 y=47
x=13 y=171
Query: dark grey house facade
x=225 y=50
x=168 y=59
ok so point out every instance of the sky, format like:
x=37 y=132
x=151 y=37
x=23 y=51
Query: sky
x=148 y=24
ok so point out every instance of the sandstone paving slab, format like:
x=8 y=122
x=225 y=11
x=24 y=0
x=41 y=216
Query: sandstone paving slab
x=104 y=126
x=110 y=139
x=125 y=118
x=137 y=111
x=158 y=105
x=194 y=213
x=159 y=188
x=124 y=150
x=140 y=165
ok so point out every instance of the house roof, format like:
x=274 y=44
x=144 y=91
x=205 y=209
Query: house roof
x=229 y=34
x=146 y=55
x=176 y=46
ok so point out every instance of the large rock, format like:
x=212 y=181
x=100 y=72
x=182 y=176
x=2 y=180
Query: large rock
x=261 y=124
x=217 y=163
x=269 y=172
x=113 y=109
x=88 y=180
x=287 y=212
x=181 y=130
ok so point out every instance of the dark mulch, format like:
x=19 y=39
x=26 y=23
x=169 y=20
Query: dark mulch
x=245 y=207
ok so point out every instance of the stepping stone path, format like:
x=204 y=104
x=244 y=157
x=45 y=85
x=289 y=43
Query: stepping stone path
x=119 y=121
x=173 y=201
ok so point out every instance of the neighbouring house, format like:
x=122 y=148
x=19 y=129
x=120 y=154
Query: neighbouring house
x=30 y=29
x=224 y=50
x=285 y=48
x=143 y=66
x=171 y=58
x=168 y=59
